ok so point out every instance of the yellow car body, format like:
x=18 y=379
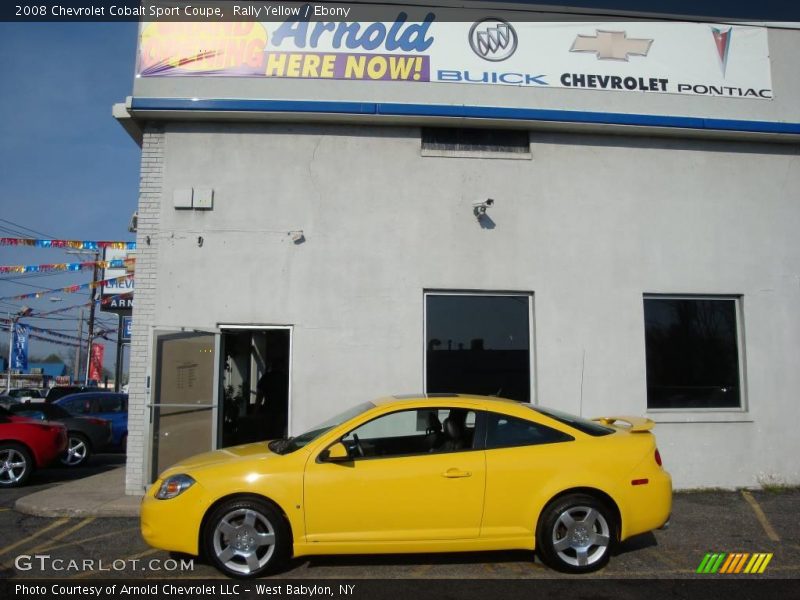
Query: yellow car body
x=480 y=497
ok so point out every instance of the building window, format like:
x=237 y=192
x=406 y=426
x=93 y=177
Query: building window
x=475 y=143
x=478 y=344
x=693 y=353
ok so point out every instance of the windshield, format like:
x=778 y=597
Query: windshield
x=295 y=443
x=579 y=423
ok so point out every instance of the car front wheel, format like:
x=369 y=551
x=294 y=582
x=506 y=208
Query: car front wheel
x=576 y=534
x=78 y=450
x=246 y=538
x=16 y=465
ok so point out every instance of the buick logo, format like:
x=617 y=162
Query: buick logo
x=493 y=39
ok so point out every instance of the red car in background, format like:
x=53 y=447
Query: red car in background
x=26 y=444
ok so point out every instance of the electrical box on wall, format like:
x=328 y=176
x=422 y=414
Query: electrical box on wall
x=182 y=198
x=203 y=198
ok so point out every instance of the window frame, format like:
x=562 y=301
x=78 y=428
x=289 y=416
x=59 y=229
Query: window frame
x=478 y=438
x=691 y=412
x=533 y=383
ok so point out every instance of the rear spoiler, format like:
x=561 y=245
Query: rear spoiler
x=634 y=424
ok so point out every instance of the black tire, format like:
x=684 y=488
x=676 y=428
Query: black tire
x=576 y=534
x=246 y=556
x=78 y=452
x=16 y=465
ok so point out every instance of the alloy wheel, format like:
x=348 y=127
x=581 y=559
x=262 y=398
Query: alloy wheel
x=581 y=536
x=76 y=453
x=244 y=540
x=13 y=466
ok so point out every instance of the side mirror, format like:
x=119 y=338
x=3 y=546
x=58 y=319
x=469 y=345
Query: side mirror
x=336 y=453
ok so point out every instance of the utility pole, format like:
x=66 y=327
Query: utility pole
x=118 y=366
x=10 y=349
x=77 y=366
x=91 y=318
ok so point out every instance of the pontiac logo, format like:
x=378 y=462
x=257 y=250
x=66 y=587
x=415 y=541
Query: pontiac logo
x=722 y=40
x=493 y=39
x=611 y=45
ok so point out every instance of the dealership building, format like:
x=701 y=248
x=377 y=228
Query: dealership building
x=596 y=214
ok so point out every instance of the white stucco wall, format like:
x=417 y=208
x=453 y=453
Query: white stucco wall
x=588 y=225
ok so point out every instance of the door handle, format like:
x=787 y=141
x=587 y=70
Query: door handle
x=455 y=473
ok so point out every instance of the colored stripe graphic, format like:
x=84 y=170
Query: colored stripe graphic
x=734 y=563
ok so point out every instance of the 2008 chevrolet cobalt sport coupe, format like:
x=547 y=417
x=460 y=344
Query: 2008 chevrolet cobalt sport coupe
x=436 y=473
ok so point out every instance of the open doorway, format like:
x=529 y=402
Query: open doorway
x=254 y=382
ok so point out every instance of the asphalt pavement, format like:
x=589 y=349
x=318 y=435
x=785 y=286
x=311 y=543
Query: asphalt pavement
x=86 y=546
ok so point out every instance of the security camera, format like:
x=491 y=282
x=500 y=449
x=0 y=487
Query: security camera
x=479 y=208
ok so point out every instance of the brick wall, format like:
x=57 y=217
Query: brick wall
x=144 y=308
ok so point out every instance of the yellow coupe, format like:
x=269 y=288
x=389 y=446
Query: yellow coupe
x=435 y=473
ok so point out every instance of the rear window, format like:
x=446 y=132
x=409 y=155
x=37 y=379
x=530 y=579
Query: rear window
x=583 y=425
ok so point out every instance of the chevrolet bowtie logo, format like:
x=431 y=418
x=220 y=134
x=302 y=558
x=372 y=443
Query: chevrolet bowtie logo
x=611 y=45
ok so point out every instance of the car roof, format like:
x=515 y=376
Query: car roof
x=86 y=395
x=473 y=399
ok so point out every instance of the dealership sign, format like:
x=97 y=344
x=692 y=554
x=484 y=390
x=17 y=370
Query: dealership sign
x=636 y=57
x=117 y=296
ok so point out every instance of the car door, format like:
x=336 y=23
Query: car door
x=522 y=458
x=111 y=407
x=403 y=488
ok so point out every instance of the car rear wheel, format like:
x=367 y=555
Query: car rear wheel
x=78 y=450
x=246 y=538
x=576 y=534
x=16 y=465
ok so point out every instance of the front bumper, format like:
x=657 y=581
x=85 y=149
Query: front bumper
x=173 y=525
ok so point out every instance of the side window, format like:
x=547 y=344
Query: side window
x=505 y=432
x=411 y=432
x=110 y=404
x=79 y=406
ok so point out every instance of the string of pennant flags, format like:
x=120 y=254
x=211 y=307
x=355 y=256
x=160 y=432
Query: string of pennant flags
x=79 y=266
x=71 y=289
x=70 y=340
x=71 y=244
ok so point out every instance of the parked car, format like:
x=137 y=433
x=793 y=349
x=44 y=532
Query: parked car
x=59 y=391
x=26 y=445
x=26 y=394
x=85 y=435
x=423 y=474
x=6 y=401
x=109 y=406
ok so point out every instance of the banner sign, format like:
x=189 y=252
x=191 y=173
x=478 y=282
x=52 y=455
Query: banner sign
x=730 y=61
x=117 y=294
x=19 y=348
x=96 y=362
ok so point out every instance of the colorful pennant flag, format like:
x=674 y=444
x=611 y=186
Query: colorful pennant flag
x=72 y=244
x=81 y=266
x=71 y=289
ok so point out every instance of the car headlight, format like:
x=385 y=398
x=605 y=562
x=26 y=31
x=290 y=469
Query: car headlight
x=174 y=486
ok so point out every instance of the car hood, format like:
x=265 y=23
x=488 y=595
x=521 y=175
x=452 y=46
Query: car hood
x=257 y=450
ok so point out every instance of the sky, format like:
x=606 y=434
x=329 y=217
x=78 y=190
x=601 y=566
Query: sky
x=67 y=168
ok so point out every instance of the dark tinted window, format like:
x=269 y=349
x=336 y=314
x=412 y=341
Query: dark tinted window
x=478 y=344
x=504 y=431
x=30 y=413
x=78 y=406
x=579 y=423
x=692 y=353
x=475 y=140
x=111 y=404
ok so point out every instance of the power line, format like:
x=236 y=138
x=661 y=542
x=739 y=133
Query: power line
x=28 y=228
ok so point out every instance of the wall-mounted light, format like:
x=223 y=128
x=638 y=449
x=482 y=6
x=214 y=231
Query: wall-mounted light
x=298 y=237
x=479 y=208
